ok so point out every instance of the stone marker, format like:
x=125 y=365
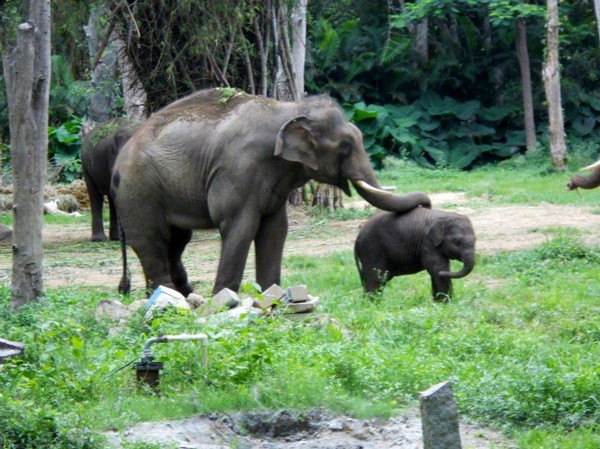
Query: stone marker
x=439 y=418
x=9 y=349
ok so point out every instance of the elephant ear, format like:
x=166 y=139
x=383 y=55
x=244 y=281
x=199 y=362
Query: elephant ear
x=296 y=142
x=120 y=138
x=436 y=232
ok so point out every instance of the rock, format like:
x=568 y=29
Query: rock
x=439 y=417
x=297 y=293
x=112 y=310
x=269 y=296
x=195 y=300
x=225 y=298
x=310 y=305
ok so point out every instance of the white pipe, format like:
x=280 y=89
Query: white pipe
x=147 y=354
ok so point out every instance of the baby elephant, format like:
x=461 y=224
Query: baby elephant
x=392 y=244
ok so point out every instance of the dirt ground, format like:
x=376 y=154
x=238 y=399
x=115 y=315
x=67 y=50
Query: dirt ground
x=498 y=228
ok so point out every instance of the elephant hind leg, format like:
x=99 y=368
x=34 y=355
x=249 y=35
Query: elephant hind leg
x=373 y=274
x=153 y=254
x=179 y=239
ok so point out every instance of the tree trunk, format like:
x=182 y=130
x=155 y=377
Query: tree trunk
x=421 y=43
x=27 y=73
x=551 y=76
x=523 y=56
x=104 y=56
x=134 y=94
x=597 y=10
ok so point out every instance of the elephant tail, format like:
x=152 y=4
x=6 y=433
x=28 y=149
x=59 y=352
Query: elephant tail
x=125 y=283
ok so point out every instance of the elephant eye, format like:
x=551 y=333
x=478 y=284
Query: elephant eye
x=346 y=147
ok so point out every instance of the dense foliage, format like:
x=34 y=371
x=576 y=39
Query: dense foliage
x=394 y=56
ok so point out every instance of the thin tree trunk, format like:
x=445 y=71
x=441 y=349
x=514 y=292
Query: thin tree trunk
x=597 y=10
x=523 y=56
x=420 y=46
x=27 y=72
x=298 y=31
x=102 y=102
x=134 y=94
x=551 y=76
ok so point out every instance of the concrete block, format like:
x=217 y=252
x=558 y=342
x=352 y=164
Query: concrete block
x=225 y=298
x=297 y=293
x=269 y=296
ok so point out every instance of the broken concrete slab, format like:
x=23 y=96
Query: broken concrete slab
x=297 y=293
x=270 y=296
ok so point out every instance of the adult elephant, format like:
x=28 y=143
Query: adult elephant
x=225 y=159
x=586 y=182
x=99 y=150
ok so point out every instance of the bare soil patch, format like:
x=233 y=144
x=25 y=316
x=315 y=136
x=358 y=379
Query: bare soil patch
x=498 y=228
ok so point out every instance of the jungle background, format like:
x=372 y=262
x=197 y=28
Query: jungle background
x=437 y=89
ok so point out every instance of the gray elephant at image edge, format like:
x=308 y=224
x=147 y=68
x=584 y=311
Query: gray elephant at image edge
x=391 y=244
x=228 y=161
x=99 y=150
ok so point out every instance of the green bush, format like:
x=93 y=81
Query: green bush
x=436 y=131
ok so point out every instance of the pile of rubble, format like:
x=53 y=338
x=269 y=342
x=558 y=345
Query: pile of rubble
x=226 y=304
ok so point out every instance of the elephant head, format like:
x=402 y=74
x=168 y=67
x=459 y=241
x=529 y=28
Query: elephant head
x=454 y=236
x=586 y=182
x=331 y=150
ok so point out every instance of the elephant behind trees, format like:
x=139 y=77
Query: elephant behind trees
x=586 y=182
x=392 y=244
x=99 y=150
x=228 y=160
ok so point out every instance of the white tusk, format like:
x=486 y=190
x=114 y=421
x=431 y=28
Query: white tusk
x=591 y=167
x=369 y=188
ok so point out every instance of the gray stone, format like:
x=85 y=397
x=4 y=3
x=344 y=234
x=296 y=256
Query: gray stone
x=439 y=417
x=195 y=300
x=297 y=293
x=269 y=296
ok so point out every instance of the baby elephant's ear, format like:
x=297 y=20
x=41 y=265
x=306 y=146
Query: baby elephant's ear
x=436 y=232
x=296 y=142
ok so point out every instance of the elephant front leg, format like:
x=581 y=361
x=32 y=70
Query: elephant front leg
x=441 y=286
x=269 y=243
x=236 y=238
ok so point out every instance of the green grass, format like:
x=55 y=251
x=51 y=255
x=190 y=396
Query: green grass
x=520 y=341
x=518 y=181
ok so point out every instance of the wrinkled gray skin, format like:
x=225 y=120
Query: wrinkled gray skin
x=99 y=150
x=229 y=162
x=392 y=244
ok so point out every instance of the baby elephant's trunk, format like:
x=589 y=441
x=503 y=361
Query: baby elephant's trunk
x=468 y=259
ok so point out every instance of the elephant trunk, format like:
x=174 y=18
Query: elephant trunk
x=468 y=260
x=585 y=182
x=387 y=201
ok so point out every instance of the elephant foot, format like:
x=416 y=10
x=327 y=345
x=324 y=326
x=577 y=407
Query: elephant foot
x=114 y=238
x=98 y=238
